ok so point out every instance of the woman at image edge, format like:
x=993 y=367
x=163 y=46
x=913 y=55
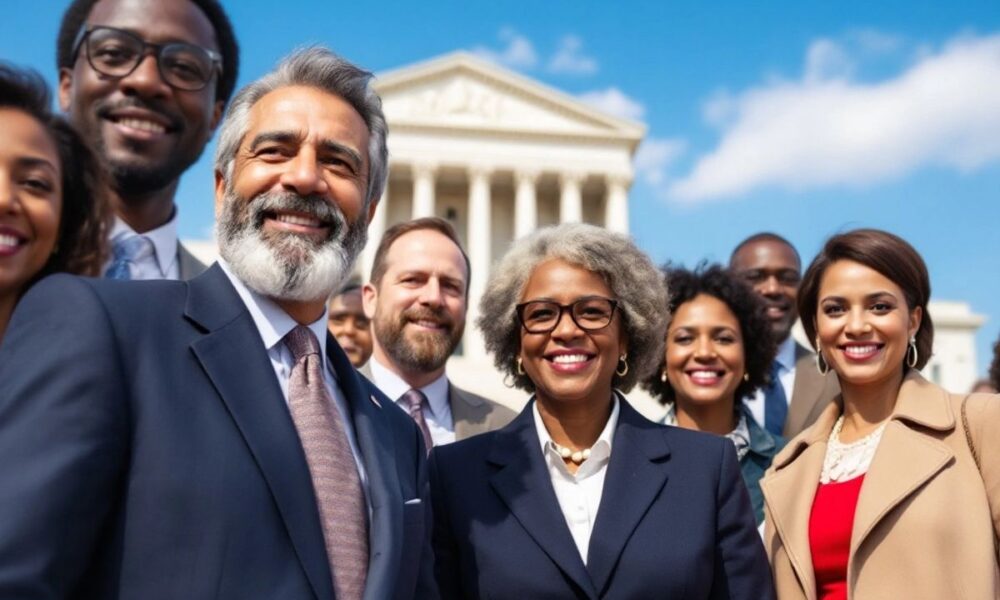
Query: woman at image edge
x=898 y=507
x=580 y=496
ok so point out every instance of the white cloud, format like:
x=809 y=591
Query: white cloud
x=827 y=130
x=569 y=58
x=654 y=156
x=615 y=102
x=518 y=52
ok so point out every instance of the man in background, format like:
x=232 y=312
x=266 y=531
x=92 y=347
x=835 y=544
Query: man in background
x=417 y=299
x=348 y=323
x=797 y=392
x=146 y=82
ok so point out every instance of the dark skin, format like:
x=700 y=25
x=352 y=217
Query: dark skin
x=103 y=107
x=772 y=268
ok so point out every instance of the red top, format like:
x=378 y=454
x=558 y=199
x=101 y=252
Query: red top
x=830 y=525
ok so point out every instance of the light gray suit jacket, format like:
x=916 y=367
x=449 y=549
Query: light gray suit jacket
x=472 y=414
x=811 y=392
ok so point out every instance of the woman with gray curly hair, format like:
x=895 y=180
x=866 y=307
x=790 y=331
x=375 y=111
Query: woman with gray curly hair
x=580 y=496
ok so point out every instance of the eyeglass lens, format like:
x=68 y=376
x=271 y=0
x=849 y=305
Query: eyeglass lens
x=117 y=53
x=588 y=313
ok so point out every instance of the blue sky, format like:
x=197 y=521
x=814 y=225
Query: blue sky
x=802 y=117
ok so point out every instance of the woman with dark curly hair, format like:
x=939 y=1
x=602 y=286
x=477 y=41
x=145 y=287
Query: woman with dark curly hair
x=718 y=349
x=53 y=216
x=894 y=492
x=580 y=496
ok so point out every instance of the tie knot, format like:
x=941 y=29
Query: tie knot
x=132 y=247
x=301 y=342
x=775 y=370
x=414 y=399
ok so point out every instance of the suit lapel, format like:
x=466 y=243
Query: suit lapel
x=522 y=482
x=376 y=443
x=464 y=414
x=233 y=356
x=636 y=474
x=806 y=390
x=905 y=458
x=789 y=493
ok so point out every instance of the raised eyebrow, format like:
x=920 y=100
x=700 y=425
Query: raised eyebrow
x=878 y=295
x=334 y=147
x=35 y=161
x=281 y=137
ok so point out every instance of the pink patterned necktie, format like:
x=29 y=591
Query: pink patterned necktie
x=336 y=482
x=415 y=402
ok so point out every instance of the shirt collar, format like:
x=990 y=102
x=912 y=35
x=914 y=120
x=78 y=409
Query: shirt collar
x=607 y=434
x=272 y=322
x=786 y=354
x=394 y=386
x=164 y=239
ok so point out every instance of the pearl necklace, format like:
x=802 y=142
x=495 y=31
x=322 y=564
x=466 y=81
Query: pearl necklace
x=577 y=457
x=844 y=462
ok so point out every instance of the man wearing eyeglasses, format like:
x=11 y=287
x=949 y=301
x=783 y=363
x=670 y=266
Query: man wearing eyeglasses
x=417 y=300
x=146 y=82
x=797 y=392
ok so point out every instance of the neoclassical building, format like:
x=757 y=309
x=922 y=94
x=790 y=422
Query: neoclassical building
x=498 y=155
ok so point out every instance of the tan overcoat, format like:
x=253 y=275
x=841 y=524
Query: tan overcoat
x=923 y=526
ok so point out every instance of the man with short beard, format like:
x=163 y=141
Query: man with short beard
x=417 y=300
x=146 y=82
x=209 y=439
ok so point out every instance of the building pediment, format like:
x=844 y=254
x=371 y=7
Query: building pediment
x=460 y=91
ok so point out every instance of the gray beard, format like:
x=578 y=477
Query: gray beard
x=287 y=266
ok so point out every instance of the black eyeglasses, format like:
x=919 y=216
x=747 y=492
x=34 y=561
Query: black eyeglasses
x=590 y=314
x=116 y=53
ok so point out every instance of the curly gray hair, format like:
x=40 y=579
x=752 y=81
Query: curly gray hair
x=637 y=284
x=319 y=68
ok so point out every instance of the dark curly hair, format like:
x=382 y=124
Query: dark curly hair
x=995 y=366
x=86 y=212
x=76 y=15
x=758 y=343
x=886 y=253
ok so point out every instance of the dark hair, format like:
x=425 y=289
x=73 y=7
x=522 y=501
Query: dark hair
x=758 y=343
x=85 y=214
x=995 y=366
x=764 y=236
x=400 y=229
x=891 y=256
x=76 y=15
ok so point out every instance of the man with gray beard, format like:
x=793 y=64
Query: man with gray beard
x=210 y=439
x=417 y=300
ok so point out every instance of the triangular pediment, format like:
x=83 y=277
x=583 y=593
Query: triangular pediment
x=461 y=91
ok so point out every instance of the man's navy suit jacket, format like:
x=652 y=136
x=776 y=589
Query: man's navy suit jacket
x=146 y=451
x=674 y=520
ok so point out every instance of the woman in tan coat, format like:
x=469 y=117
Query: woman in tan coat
x=883 y=497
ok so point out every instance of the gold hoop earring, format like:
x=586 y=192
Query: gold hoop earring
x=663 y=375
x=508 y=381
x=622 y=369
x=911 y=361
x=821 y=364
x=520 y=369
x=746 y=376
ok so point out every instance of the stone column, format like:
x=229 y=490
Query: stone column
x=375 y=230
x=423 y=190
x=571 y=197
x=616 y=203
x=480 y=250
x=525 y=203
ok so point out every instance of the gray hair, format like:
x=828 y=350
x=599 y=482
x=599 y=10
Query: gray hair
x=319 y=68
x=637 y=284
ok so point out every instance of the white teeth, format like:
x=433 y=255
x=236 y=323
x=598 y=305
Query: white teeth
x=704 y=374
x=569 y=358
x=9 y=240
x=860 y=350
x=428 y=324
x=297 y=220
x=143 y=125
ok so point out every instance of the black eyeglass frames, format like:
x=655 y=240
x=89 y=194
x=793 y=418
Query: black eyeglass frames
x=117 y=53
x=589 y=313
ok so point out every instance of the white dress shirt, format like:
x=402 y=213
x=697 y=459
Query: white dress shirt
x=786 y=374
x=273 y=324
x=438 y=417
x=163 y=263
x=579 y=494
